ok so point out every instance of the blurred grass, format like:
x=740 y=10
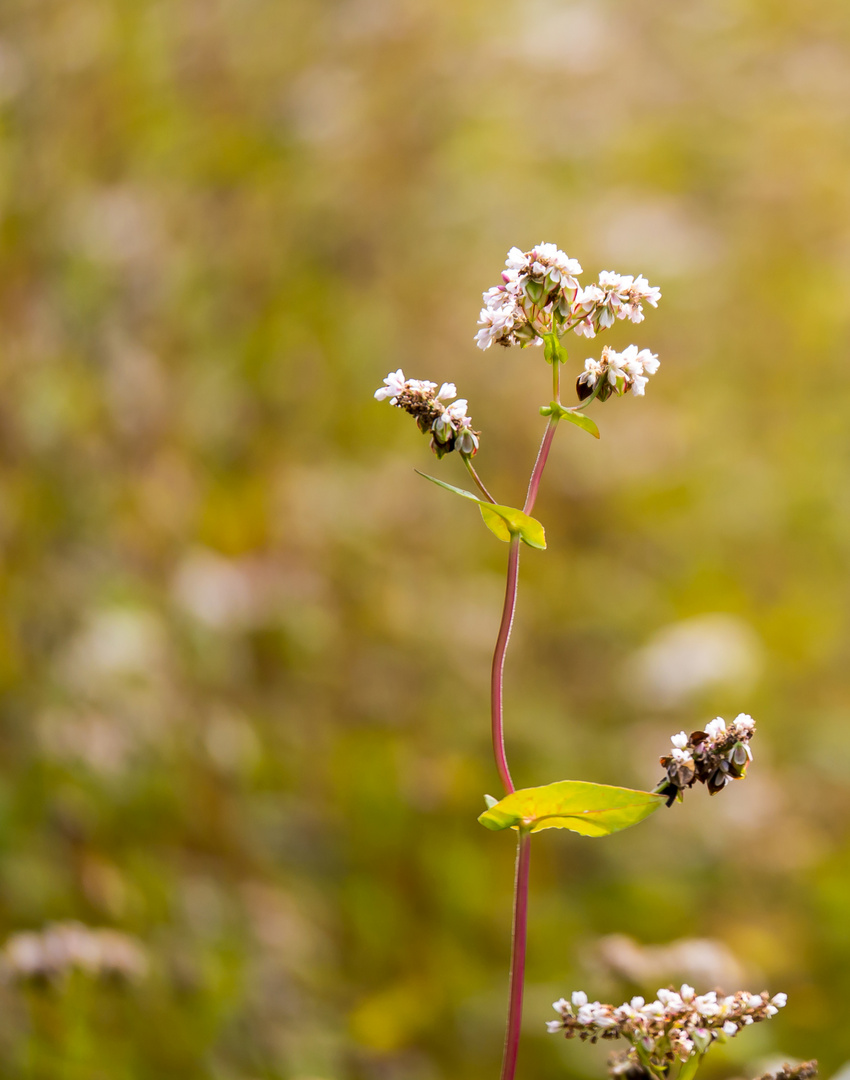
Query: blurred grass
x=244 y=651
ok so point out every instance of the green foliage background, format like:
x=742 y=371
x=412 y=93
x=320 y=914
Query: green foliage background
x=244 y=650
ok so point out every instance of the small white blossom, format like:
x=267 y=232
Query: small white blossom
x=393 y=386
x=716 y=728
x=680 y=741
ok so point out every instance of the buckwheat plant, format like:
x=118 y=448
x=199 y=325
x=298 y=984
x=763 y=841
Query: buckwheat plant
x=537 y=304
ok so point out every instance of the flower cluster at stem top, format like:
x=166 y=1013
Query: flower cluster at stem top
x=668 y=1030
x=435 y=412
x=540 y=297
x=713 y=757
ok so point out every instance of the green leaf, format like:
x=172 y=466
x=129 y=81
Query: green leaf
x=496 y=524
x=502 y=521
x=577 y=418
x=588 y=809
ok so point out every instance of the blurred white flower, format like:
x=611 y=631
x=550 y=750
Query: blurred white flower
x=690 y=656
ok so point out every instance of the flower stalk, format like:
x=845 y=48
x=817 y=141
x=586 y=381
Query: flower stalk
x=537 y=303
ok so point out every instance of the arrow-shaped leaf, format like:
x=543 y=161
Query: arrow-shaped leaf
x=588 y=809
x=502 y=521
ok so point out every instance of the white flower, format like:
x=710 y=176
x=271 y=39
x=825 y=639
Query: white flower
x=447 y=391
x=743 y=722
x=516 y=260
x=681 y=755
x=706 y=1005
x=562 y=1004
x=730 y=1027
x=779 y=1000
x=680 y=741
x=686 y=991
x=585 y=328
x=457 y=410
x=553 y=1025
x=669 y=998
x=579 y=997
x=716 y=728
x=393 y=386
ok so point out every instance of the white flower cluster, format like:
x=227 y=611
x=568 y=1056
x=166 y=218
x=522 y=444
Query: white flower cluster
x=63 y=947
x=621 y=371
x=447 y=420
x=536 y=294
x=539 y=294
x=617 y=296
x=669 y=1029
x=715 y=756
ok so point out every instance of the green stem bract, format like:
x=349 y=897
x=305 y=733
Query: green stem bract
x=688 y=1070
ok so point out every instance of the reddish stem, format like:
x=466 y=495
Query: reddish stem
x=520 y=925
x=498 y=669
x=508 y=611
x=517 y=955
x=540 y=465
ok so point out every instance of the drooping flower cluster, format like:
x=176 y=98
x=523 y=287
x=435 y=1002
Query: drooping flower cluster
x=621 y=372
x=715 y=757
x=540 y=295
x=665 y=1031
x=435 y=412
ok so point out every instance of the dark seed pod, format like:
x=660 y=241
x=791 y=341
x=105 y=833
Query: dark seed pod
x=583 y=390
x=717 y=782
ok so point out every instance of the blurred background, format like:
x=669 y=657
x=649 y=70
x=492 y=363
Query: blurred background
x=244 y=649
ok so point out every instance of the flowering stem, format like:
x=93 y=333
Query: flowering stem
x=556 y=381
x=646 y=1062
x=517 y=954
x=498 y=669
x=468 y=463
x=540 y=464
